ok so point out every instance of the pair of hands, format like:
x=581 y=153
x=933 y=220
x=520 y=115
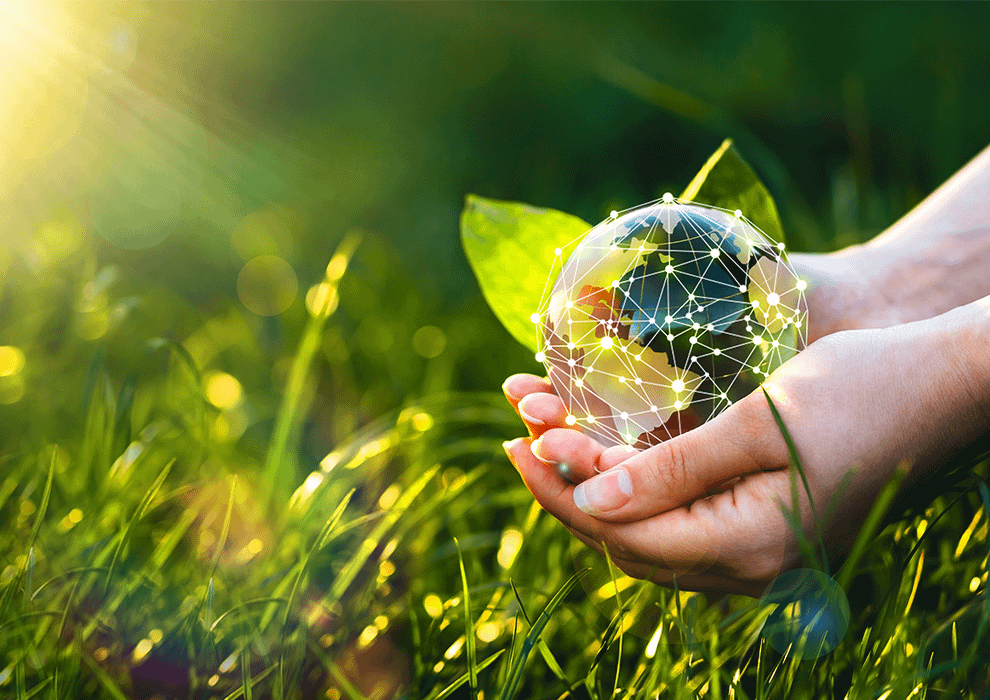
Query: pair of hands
x=706 y=506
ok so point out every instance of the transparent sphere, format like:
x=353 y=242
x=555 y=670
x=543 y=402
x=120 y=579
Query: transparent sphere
x=661 y=316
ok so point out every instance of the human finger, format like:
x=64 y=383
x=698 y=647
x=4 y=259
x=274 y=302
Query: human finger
x=679 y=540
x=542 y=412
x=684 y=468
x=519 y=386
x=574 y=455
x=659 y=574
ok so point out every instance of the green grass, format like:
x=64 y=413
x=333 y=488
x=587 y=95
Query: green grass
x=145 y=551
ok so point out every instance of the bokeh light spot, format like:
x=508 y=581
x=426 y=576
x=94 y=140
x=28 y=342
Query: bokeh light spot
x=322 y=299
x=267 y=285
x=136 y=204
x=11 y=360
x=11 y=389
x=810 y=613
x=223 y=390
x=429 y=341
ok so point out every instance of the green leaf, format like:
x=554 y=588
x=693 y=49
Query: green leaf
x=511 y=249
x=727 y=181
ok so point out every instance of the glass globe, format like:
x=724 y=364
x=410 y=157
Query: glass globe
x=661 y=316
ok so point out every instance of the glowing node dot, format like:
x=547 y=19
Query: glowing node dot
x=670 y=336
x=691 y=296
x=558 y=252
x=714 y=252
x=622 y=380
x=696 y=325
x=780 y=316
x=613 y=247
x=669 y=268
x=717 y=351
x=700 y=309
x=677 y=385
x=639 y=356
x=780 y=245
x=606 y=342
x=591 y=419
x=615 y=283
x=737 y=213
x=668 y=197
x=709 y=327
x=678 y=404
x=668 y=319
x=723 y=396
x=797 y=324
x=535 y=318
x=757 y=340
x=756 y=303
x=540 y=357
x=749 y=328
x=571 y=362
x=624 y=416
x=742 y=288
x=773 y=298
x=694 y=340
x=776 y=344
x=653 y=409
x=570 y=420
x=579 y=383
x=639 y=381
x=613 y=214
x=571 y=346
x=802 y=285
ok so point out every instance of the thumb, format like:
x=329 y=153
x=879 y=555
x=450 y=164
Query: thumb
x=684 y=468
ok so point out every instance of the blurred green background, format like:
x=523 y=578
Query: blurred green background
x=150 y=151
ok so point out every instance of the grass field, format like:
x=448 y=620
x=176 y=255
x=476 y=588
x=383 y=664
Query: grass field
x=145 y=555
x=250 y=434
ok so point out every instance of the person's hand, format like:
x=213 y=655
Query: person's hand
x=706 y=506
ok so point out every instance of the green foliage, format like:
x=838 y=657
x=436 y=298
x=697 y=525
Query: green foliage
x=511 y=249
x=727 y=181
x=511 y=246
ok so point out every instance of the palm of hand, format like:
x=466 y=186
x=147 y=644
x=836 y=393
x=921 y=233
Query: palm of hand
x=706 y=506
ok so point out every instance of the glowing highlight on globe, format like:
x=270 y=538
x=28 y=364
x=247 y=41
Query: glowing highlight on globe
x=662 y=316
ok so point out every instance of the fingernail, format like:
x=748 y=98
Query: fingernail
x=508 y=394
x=535 y=449
x=528 y=418
x=508 y=446
x=604 y=493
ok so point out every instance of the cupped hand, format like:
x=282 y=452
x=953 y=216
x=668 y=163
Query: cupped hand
x=706 y=506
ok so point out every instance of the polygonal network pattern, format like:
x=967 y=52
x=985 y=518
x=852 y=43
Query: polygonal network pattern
x=663 y=315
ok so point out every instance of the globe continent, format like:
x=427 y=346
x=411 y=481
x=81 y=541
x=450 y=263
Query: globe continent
x=663 y=316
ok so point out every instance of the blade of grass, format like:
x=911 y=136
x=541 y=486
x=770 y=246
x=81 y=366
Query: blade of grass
x=321 y=540
x=357 y=562
x=45 y=497
x=509 y=690
x=472 y=655
x=871 y=526
x=796 y=463
x=275 y=472
x=138 y=514
x=239 y=692
x=246 y=683
x=463 y=678
x=544 y=649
